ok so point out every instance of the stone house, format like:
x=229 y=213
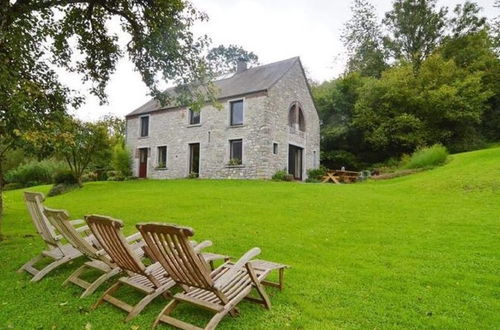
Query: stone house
x=268 y=122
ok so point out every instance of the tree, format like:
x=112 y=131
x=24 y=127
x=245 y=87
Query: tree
x=79 y=143
x=224 y=59
x=362 y=37
x=415 y=29
x=35 y=36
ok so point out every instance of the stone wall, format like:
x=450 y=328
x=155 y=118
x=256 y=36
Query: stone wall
x=171 y=128
x=291 y=88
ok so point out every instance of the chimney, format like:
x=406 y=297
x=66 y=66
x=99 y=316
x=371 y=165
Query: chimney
x=241 y=66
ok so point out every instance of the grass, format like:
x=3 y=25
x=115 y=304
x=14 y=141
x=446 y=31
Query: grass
x=427 y=157
x=420 y=251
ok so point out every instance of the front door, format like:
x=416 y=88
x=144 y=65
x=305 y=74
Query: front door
x=194 y=159
x=143 y=162
x=295 y=161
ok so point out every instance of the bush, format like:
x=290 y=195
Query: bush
x=427 y=157
x=35 y=172
x=316 y=173
x=282 y=175
x=122 y=160
x=309 y=180
x=12 y=186
x=65 y=177
x=90 y=176
x=61 y=188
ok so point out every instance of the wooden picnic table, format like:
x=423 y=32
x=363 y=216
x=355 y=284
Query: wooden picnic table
x=340 y=176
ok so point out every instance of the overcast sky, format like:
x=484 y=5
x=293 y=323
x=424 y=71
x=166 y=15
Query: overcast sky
x=274 y=30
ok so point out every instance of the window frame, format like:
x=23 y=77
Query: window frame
x=158 y=162
x=231 y=102
x=190 y=117
x=275 y=148
x=231 y=150
x=148 y=126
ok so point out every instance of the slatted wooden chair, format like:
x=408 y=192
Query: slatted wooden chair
x=219 y=290
x=99 y=260
x=151 y=280
x=56 y=250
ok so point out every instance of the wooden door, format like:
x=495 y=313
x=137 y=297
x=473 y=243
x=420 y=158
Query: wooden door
x=143 y=163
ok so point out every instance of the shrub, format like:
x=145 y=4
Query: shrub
x=310 y=180
x=193 y=175
x=427 y=157
x=61 y=188
x=282 y=175
x=12 y=186
x=122 y=160
x=316 y=173
x=65 y=177
x=90 y=176
x=35 y=172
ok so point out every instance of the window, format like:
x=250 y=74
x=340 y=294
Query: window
x=236 y=113
x=296 y=117
x=236 y=152
x=162 y=157
x=194 y=117
x=144 y=126
x=275 y=148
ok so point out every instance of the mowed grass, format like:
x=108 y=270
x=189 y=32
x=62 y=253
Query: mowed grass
x=421 y=251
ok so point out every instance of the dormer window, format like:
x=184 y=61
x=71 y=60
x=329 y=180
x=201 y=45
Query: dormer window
x=296 y=117
x=194 y=117
x=144 y=126
x=236 y=109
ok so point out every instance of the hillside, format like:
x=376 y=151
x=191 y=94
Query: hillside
x=421 y=251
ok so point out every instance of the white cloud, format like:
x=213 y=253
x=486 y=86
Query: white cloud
x=274 y=30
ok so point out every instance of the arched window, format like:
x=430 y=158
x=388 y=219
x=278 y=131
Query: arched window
x=296 y=117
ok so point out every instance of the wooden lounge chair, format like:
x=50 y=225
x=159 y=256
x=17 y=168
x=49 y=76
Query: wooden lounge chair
x=99 y=260
x=219 y=290
x=151 y=280
x=56 y=250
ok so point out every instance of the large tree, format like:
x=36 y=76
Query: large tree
x=362 y=38
x=415 y=29
x=38 y=35
x=224 y=59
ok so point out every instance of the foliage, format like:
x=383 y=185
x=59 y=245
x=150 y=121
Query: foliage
x=427 y=157
x=415 y=29
x=13 y=186
x=122 y=160
x=61 y=188
x=282 y=175
x=65 y=177
x=90 y=176
x=79 y=143
x=193 y=175
x=362 y=38
x=429 y=239
x=234 y=161
x=35 y=172
x=316 y=173
x=224 y=59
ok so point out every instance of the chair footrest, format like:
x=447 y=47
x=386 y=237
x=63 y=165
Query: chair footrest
x=118 y=303
x=178 y=323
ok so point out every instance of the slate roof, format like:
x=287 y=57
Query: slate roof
x=253 y=80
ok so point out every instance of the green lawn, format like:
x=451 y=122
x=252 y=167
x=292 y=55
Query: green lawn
x=421 y=251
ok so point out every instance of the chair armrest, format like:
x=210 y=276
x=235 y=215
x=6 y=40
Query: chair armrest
x=229 y=275
x=202 y=246
x=82 y=228
x=134 y=237
x=101 y=252
x=77 y=222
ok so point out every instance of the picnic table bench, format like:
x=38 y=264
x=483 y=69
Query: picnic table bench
x=340 y=176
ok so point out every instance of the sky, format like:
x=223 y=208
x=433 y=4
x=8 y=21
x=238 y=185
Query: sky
x=274 y=30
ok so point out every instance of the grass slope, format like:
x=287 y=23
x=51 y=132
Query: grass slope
x=421 y=251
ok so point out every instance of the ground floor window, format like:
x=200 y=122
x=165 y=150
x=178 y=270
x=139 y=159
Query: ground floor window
x=235 y=152
x=162 y=157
